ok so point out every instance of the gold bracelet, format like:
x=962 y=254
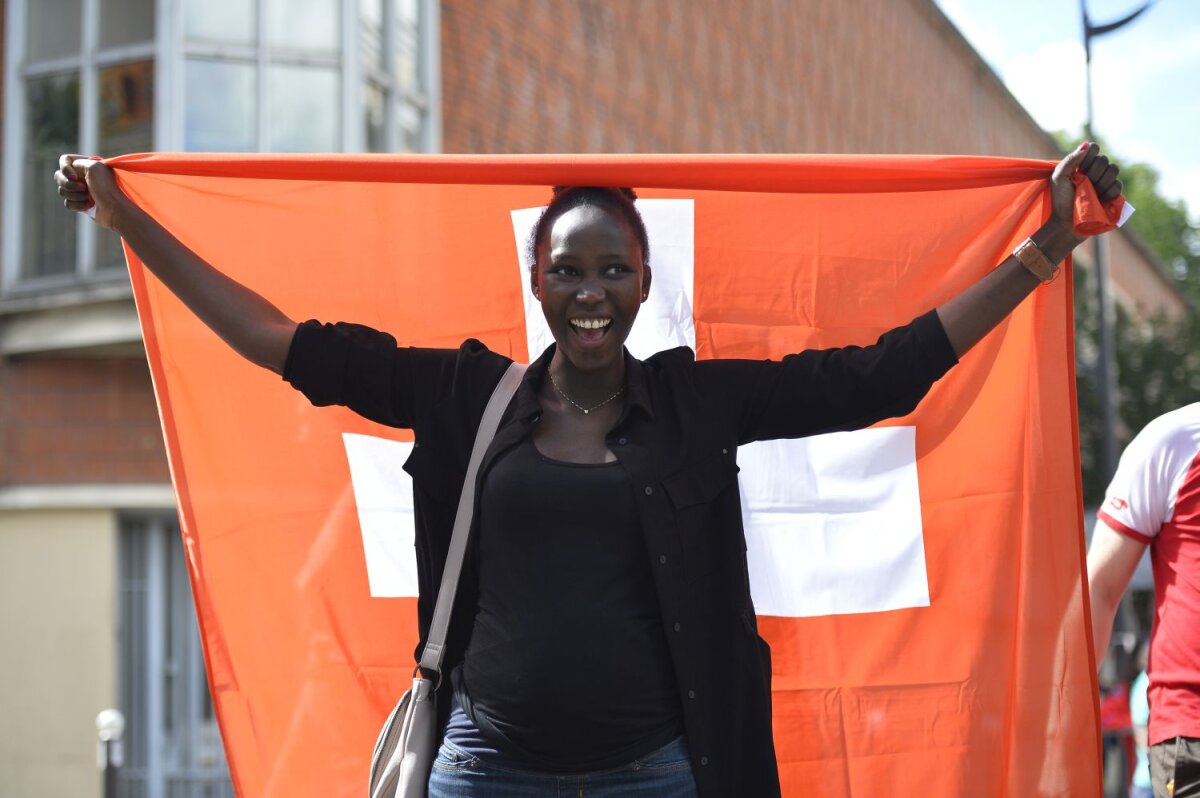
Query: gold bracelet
x=1033 y=259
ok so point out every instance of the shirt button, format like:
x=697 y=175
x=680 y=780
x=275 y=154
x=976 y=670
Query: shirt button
x=662 y=559
x=677 y=627
x=649 y=491
x=622 y=441
x=724 y=451
x=691 y=693
x=703 y=760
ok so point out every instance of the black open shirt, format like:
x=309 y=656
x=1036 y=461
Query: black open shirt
x=677 y=439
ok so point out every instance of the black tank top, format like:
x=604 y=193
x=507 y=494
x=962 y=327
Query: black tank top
x=567 y=668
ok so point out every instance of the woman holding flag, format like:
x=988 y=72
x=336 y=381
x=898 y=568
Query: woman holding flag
x=605 y=638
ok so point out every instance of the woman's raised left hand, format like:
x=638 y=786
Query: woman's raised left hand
x=1096 y=166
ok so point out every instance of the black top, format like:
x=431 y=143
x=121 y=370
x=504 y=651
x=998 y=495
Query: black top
x=677 y=440
x=567 y=668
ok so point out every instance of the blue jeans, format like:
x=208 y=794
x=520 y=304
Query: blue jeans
x=666 y=773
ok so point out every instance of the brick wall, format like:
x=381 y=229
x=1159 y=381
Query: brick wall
x=71 y=420
x=715 y=76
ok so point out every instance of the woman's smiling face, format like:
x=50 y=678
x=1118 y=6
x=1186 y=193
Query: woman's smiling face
x=590 y=281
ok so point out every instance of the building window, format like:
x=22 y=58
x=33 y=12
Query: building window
x=172 y=744
x=284 y=75
x=394 y=44
x=74 y=88
x=220 y=75
x=263 y=75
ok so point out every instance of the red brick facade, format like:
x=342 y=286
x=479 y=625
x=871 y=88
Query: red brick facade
x=715 y=76
x=73 y=420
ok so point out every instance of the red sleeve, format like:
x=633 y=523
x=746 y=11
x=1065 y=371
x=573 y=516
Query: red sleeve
x=1124 y=530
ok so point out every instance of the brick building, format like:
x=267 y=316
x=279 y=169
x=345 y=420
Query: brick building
x=94 y=607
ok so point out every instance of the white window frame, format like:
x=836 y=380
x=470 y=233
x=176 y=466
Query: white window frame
x=168 y=51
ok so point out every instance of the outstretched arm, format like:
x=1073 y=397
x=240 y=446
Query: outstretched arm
x=973 y=313
x=255 y=328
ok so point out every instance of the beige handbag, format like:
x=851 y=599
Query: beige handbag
x=404 y=751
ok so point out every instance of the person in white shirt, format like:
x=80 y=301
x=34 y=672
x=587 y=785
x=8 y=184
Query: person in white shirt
x=1154 y=500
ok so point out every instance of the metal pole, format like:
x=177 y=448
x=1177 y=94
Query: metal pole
x=110 y=725
x=1106 y=371
x=110 y=770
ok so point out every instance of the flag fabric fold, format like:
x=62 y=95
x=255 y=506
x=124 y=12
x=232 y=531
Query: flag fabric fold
x=921 y=584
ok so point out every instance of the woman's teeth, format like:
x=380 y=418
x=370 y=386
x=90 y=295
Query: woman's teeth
x=591 y=324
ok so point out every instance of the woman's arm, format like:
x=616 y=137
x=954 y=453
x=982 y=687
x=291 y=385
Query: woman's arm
x=255 y=328
x=973 y=313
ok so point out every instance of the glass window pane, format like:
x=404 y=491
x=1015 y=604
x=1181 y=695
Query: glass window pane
x=407 y=12
x=371 y=23
x=407 y=45
x=407 y=58
x=126 y=125
x=375 y=108
x=304 y=24
x=126 y=108
x=218 y=106
x=304 y=109
x=51 y=128
x=55 y=27
x=410 y=128
x=371 y=13
x=220 y=21
x=126 y=22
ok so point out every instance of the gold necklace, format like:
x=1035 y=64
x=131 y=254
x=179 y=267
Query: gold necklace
x=585 y=410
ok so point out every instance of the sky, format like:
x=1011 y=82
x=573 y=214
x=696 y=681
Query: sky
x=1145 y=77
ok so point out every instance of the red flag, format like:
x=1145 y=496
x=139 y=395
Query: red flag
x=938 y=646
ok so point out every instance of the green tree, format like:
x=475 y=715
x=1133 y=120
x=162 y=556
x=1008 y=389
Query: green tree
x=1165 y=226
x=1158 y=361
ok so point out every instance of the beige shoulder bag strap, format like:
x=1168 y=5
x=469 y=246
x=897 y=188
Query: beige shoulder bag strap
x=404 y=751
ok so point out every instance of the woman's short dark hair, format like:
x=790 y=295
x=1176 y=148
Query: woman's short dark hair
x=617 y=200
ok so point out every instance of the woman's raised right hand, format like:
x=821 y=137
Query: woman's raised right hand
x=84 y=182
x=250 y=324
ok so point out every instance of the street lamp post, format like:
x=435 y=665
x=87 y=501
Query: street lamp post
x=110 y=726
x=1106 y=371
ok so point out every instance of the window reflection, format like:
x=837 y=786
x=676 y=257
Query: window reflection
x=126 y=108
x=409 y=122
x=304 y=108
x=230 y=21
x=126 y=22
x=371 y=18
x=51 y=127
x=407 y=11
x=407 y=53
x=376 y=117
x=304 y=24
x=126 y=125
x=371 y=12
x=219 y=106
x=54 y=29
